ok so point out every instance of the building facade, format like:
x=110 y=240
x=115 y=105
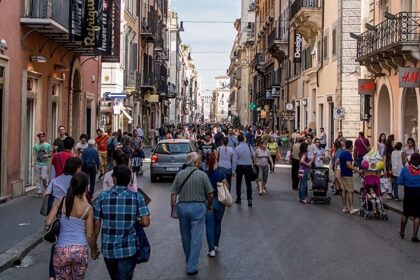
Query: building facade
x=48 y=77
x=221 y=96
x=388 y=51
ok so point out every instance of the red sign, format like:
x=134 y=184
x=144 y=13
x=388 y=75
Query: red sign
x=409 y=77
x=367 y=86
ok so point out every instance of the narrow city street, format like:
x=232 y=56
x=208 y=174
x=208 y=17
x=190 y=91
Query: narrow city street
x=277 y=238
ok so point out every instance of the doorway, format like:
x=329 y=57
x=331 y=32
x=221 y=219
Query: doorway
x=29 y=140
x=88 y=124
x=76 y=104
x=384 y=105
x=410 y=115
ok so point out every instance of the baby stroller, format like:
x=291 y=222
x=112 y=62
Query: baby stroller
x=320 y=185
x=137 y=161
x=370 y=198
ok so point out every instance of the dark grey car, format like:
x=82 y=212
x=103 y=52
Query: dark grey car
x=169 y=157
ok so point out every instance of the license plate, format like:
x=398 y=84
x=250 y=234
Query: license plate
x=172 y=169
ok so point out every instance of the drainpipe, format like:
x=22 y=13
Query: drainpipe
x=322 y=44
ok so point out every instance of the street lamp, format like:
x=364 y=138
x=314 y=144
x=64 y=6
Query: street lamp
x=181 y=28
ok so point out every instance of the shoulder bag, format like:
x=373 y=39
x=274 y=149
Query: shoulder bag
x=254 y=173
x=223 y=194
x=143 y=245
x=174 y=214
x=51 y=236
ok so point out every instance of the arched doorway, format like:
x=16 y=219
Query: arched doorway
x=384 y=112
x=410 y=115
x=75 y=107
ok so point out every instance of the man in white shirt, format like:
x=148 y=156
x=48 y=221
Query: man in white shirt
x=140 y=132
x=312 y=148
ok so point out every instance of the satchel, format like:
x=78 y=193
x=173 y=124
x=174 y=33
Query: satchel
x=143 y=245
x=223 y=194
x=174 y=214
x=51 y=236
x=254 y=174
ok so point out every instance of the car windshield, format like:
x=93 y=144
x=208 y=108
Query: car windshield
x=173 y=148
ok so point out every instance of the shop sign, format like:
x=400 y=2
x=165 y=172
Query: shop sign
x=92 y=24
x=409 y=77
x=268 y=94
x=112 y=29
x=288 y=115
x=152 y=98
x=298 y=48
x=367 y=87
x=275 y=91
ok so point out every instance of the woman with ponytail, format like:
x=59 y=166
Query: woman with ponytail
x=76 y=231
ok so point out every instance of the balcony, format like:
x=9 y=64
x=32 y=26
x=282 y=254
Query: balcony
x=306 y=17
x=47 y=17
x=277 y=40
x=391 y=43
x=149 y=22
x=131 y=79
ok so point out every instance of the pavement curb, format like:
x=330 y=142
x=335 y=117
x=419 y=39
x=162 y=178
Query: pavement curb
x=19 y=251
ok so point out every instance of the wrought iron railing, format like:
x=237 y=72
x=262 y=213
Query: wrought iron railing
x=279 y=33
x=58 y=10
x=299 y=4
x=404 y=28
x=148 y=20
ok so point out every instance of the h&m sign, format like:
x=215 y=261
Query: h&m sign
x=409 y=77
x=366 y=87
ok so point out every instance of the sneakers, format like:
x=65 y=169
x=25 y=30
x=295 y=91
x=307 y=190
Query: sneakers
x=211 y=254
x=354 y=211
x=216 y=248
x=345 y=210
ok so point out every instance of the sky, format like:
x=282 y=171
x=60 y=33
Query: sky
x=208 y=37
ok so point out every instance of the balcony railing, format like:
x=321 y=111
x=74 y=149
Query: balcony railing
x=58 y=10
x=300 y=4
x=279 y=33
x=403 y=29
x=149 y=23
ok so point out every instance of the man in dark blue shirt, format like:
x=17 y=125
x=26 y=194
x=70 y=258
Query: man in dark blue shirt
x=347 y=168
x=91 y=163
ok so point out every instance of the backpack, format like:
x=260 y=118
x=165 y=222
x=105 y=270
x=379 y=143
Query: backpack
x=111 y=147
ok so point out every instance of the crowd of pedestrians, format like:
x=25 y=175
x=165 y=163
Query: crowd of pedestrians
x=247 y=154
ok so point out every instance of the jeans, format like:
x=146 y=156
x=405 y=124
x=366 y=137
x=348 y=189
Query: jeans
x=121 y=269
x=90 y=170
x=395 y=186
x=243 y=170
x=228 y=174
x=303 y=185
x=295 y=172
x=191 y=225
x=41 y=178
x=214 y=224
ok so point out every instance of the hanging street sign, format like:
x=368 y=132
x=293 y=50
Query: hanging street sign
x=113 y=95
x=367 y=86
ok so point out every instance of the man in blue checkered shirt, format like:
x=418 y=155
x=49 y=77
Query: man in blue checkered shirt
x=116 y=211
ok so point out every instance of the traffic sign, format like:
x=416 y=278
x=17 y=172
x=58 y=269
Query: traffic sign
x=113 y=95
x=339 y=113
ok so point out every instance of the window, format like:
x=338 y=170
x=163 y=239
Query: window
x=334 y=43
x=325 y=55
x=318 y=52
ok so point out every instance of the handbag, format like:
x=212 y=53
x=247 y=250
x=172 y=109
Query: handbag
x=254 y=174
x=174 y=214
x=51 y=236
x=223 y=194
x=143 y=245
x=47 y=203
x=278 y=156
